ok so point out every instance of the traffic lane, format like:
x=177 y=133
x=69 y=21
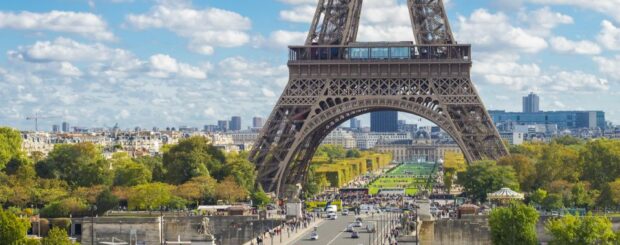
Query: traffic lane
x=329 y=232
x=332 y=232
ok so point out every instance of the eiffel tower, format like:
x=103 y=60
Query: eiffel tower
x=333 y=78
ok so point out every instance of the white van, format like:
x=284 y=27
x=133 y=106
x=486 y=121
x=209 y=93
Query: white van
x=331 y=208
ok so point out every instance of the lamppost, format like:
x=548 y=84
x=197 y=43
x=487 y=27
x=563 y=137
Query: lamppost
x=92 y=224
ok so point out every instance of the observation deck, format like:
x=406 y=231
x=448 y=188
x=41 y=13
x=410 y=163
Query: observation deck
x=380 y=52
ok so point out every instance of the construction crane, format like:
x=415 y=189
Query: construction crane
x=36 y=119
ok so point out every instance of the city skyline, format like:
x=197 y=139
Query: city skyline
x=130 y=67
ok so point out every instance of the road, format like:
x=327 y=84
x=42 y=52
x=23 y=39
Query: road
x=332 y=232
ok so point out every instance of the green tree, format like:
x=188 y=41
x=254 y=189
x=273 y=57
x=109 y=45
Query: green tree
x=311 y=187
x=485 y=177
x=331 y=151
x=557 y=162
x=538 y=196
x=13 y=229
x=106 y=201
x=150 y=196
x=601 y=160
x=156 y=165
x=568 y=140
x=260 y=198
x=553 y=201
x=524 y=169
x=190 y=158
x=353 y=153
x=514 y=224
x=65 y=208
x=80 y=164
x=241 y=169
x=57 y=236
x=10 y=145
x=574 y=230
x=198 y=189
x=131 y=173
x=614 y=191
x=581 y=196
x=228 y=190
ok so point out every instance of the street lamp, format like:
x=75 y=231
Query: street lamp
x=92 y=224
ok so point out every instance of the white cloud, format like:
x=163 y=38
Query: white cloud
x=563 y=45
x=608 y=7
x=84 y=24
x=609 y=36
x=543 y=20
x=299 y=1
x=100 y=61
x=506 y=71
x=281 y=39
x=205 y=29
x=609 y=66
x=239 y=67
x=494 y=32
x=64 y=49
x=164 y=66
x=301 y=14
x=268 y=92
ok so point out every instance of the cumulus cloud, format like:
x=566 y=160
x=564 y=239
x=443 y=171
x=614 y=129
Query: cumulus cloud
x=507 y=71
x=609 y=36
x=609 y=66
x=542 y=21
x=205 y=28
x=281 y=39
x=100 y=61
x=300 y=14
x=493 y=31
x=563 y=45
x=608 y=7
x=164 y=66
x=84 y=24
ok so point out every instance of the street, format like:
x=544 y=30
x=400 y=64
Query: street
x=332 y=232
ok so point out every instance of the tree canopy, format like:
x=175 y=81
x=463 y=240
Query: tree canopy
x=485 y=177
x=514 y=224
x=190 y=158
x=575 y=230
x=10 y=145
x=80 y=164
x=13 y=229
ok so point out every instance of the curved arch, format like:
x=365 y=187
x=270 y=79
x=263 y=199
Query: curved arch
x=318 y=126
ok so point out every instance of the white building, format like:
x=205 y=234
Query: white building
x=341 y=137
x=366 y=141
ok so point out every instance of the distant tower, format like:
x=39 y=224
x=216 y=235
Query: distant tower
x=222 y=125
x=66 y=127
x=531 y=103
x=384 y=121
x=258 y=122
x=55 y=128
x=355 y=123
x=235 y=123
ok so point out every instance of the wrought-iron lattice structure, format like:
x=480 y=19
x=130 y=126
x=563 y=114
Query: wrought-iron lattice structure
x=333 y=78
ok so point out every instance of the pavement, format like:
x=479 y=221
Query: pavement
x=332 y=232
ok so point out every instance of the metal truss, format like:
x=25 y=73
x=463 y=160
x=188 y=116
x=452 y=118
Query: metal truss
x=328 y=85
x=335 y=22
x=430 y=22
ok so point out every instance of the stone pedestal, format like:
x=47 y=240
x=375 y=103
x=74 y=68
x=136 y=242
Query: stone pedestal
x=294 y=210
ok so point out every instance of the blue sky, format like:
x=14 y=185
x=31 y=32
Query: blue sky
x=179 y=62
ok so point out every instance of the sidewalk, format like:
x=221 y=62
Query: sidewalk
x=285 y=237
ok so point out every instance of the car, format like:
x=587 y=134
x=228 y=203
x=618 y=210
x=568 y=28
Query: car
x=349 y=228
x=355 y=235
x=345 y=212
x=332 y=216
x=358 y=224
x=314 y=236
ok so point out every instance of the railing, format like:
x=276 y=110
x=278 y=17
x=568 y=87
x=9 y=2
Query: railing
x=377 y=53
